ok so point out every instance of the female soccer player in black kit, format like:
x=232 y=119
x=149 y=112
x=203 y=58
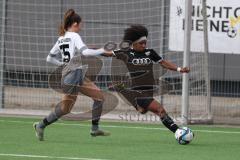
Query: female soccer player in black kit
x=139 y=62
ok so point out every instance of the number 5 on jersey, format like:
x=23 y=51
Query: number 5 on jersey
x=65 y=50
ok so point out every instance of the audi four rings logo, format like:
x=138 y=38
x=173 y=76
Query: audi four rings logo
x=139 y=61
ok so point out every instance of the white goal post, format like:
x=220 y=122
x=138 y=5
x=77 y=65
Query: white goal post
x=3 y=20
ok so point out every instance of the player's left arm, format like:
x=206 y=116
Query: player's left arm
x=174 y=67
x=167 y=64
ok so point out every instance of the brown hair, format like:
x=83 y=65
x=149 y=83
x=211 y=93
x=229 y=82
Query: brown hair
x=70 y=17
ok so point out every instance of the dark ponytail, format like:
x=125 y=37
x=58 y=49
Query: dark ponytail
x=70 y=17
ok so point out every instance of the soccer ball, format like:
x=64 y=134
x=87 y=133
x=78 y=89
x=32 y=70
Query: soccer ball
x=232 y=32
x=184 y=135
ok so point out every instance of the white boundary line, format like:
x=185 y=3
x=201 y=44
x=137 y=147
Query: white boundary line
x=49 y=157
x=127 y=127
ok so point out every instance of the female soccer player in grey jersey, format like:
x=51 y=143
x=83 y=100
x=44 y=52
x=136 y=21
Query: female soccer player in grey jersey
x=70 y=47
x=139 y=62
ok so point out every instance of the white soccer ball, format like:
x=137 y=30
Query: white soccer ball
x=184 y=135
x=232 y=32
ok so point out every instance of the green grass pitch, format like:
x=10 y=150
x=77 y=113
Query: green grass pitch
x=71 y=140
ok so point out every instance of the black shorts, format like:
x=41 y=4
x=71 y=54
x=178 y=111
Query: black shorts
x=138 y=98
x=143 y=102
x=144 y=99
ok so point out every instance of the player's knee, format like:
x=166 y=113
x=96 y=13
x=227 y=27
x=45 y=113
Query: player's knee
x=161 y=112
x=99 y=97
x=102 y=98
x=66 y=109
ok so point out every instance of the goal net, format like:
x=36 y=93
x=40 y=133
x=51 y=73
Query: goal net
x=29 y=30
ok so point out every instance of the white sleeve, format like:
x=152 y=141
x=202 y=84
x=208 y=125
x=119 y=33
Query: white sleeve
x=53 y=56
x=92 y=52
x=54 y=60
x=84 y=50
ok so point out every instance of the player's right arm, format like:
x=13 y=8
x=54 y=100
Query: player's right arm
x=53 y=56
x=108 y=53
x=84 y=50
